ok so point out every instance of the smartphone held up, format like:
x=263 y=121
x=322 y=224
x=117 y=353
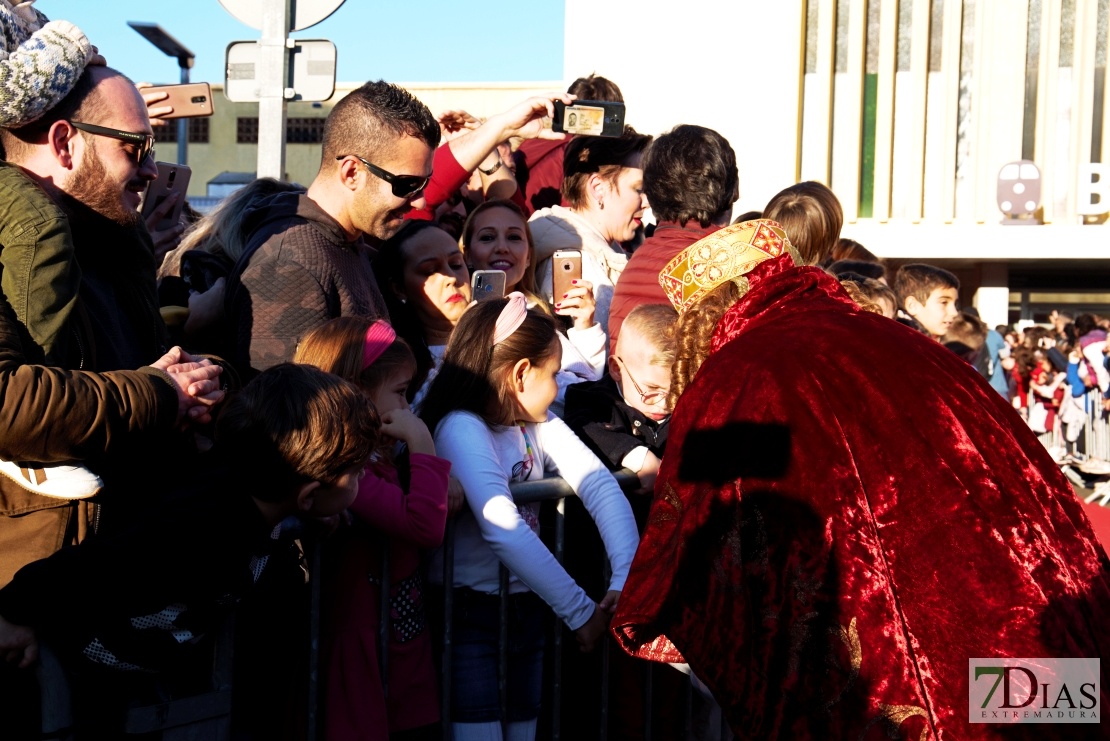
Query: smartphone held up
x=589 y=118
x=188 y=100
x=172 y=179
x=487 y=284
x=566 y=267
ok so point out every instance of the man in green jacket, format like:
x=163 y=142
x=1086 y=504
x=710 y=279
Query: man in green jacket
x=78 y=269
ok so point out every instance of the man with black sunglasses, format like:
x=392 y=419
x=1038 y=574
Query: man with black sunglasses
x=307 y=259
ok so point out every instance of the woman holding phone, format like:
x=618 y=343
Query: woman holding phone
x=603 y=187
x=426 y=285
x=496 y=237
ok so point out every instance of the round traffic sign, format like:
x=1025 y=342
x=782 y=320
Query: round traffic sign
x=306 y=13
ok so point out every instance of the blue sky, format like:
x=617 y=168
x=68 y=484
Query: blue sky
x=424 y=41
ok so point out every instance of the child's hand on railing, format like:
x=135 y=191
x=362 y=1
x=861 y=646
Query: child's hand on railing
x=609 y=601
x=589 y=634
x=455 y=496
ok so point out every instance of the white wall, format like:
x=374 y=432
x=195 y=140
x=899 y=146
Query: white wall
x=731 y=65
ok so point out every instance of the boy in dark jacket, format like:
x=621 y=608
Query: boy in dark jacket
x=118 y=609
x=623 y=417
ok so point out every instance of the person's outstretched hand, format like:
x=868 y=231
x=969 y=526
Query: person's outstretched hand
x=167 y=239
x=578 y=303
x=608 y=603
x=155 y=112
x=590 y=633
x=530 y=119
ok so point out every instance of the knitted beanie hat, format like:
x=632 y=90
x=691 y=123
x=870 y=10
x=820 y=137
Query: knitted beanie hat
x=40 y=62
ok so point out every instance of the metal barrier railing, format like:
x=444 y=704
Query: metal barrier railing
x=525 y=492
x=186 y=715
x=1096 y=431
x=557 y=490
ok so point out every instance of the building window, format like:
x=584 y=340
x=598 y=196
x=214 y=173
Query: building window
x=304 y=130
x=246 y=130
x=198 y=131
x=297 y=130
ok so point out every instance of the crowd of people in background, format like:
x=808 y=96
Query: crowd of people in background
x=193 y=412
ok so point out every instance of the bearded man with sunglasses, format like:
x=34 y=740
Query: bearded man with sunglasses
x=307 y=259
x=77 y=266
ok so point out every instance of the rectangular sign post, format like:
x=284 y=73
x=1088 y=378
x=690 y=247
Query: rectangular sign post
x=273 y=79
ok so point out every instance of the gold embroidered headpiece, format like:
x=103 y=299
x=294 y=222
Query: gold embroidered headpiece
x=724 y=255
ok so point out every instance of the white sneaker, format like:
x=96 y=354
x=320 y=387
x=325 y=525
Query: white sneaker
x=53 y=480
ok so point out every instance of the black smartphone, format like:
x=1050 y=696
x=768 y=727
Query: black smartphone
x=589 y=118
x=172 y=178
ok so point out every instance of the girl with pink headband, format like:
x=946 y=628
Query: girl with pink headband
x=390 y=530
x=489 y=408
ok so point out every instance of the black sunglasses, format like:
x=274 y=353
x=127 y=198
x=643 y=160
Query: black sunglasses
x=145 y=142
x=404 y=186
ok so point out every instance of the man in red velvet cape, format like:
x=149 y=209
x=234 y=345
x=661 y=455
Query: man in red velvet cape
x=846 y=514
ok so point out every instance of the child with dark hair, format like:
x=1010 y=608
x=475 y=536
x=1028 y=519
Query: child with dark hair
x=120 y=610
x=489 y=408
x=927 y=297
x=874 y=292
x=965 y=337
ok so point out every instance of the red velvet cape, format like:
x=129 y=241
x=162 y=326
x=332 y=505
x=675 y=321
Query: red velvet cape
x=845 y=515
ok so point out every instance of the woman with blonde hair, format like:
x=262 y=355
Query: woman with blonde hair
x=496 y=237
x=197 y=269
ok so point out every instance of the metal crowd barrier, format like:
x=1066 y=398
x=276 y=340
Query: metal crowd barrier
x=528 y=492
x=1096 y=430
x=207 y=715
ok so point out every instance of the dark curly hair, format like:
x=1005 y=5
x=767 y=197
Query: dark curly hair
x=690 y=175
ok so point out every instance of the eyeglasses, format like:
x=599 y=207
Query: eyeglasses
x=145 y=142
x=404 y=186
x=651 y=398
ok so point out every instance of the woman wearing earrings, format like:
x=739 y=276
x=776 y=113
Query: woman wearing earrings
x=603 y=185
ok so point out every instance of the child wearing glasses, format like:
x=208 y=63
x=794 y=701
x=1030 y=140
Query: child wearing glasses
x=489 y=409
x=623 y=417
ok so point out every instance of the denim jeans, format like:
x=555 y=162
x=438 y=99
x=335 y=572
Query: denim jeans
x=474 y=689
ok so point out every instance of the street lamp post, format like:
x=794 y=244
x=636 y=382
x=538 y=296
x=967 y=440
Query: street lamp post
x=170 y=46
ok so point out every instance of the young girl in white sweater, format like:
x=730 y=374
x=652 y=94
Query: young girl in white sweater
x=489 y=409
